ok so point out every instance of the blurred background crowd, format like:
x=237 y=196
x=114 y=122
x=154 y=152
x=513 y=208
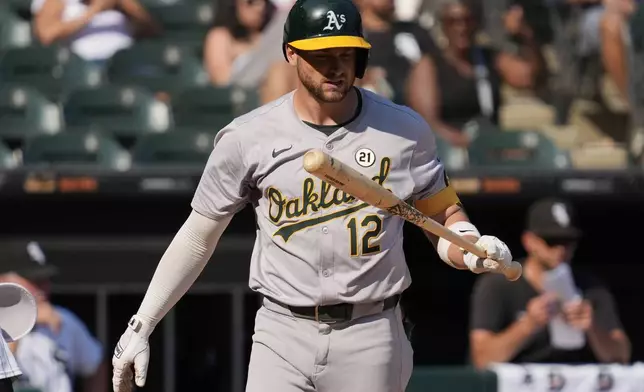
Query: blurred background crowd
x=558 y=78
x=509 y=85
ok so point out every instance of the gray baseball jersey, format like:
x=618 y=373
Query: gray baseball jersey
x=316 y=245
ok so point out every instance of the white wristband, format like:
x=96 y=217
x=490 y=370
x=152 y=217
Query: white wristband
x=461 y=228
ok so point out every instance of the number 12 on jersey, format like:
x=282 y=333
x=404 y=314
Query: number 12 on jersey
x=361 y=236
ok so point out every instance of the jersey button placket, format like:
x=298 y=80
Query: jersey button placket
x=326 y=262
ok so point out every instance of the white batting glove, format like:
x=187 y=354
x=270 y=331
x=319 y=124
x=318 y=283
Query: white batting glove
x=499 y=256
x=131 y=356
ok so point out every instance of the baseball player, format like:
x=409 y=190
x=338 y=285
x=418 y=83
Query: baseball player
x=17 y=318
x=330 y=268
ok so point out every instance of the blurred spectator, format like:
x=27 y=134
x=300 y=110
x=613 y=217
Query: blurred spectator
x=614 y=37
x=232 y=48
x=515 y=321
x=463 y=81
x=396 y=48
x=60 y=347
x=93 y=29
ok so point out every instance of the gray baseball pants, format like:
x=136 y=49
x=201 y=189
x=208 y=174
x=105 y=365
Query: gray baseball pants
x=290 y=354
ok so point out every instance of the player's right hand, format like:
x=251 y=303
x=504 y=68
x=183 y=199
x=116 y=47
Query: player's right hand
x=498 y=254
x=131 y=356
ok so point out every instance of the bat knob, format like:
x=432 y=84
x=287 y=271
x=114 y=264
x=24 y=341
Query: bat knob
x=314 y=160
x=514 y=271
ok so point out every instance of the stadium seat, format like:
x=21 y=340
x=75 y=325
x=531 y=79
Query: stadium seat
x=453 y=158
x=118 y=110
x=7 y=158
x=157 y=66
x=516 y=149
x=68 y=149
x=452 y=378
x=211 y=108
x=188 y=148
x=25 y=111
x=21 y=6
x=183 y=21
x=14 y=31
x=51 y=70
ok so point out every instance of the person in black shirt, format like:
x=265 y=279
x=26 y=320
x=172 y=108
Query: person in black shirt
x=397 y=47
x=462 y=82
x=509 y=320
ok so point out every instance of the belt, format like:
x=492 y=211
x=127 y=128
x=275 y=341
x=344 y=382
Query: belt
x=337 y=313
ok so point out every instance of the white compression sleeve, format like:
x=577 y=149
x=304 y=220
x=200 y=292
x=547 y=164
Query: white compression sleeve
x=181 y=265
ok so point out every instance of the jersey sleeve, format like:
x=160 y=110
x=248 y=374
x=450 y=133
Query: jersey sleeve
x=86 y=351
x=486 y=305
x=223 y=188
x=432 y=192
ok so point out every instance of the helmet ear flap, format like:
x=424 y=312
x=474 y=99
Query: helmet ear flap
x=362 y=59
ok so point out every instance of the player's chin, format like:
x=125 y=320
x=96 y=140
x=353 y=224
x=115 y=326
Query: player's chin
x=334 y=92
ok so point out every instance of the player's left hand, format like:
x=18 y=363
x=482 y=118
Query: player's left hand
x=499 y=256
x=131 y=356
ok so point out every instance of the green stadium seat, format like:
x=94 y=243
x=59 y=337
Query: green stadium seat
x=118 y=110
x=8 y=159
x=453 y=158
x=52 y=70
x=21 y=6
x=25 y=111
x=210 y=108
x=516 y=149
x=451 y=379
x=158 y=66
x=14 y=31
x=188 y=148
x=183 y=21
x=69 y=149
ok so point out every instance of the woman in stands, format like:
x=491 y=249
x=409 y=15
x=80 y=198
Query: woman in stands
x=231 y=50
x=93 y=29
x=465 y=78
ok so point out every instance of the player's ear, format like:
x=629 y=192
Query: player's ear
x=291 y=54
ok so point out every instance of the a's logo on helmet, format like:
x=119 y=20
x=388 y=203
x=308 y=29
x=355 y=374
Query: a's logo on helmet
x=335 y=22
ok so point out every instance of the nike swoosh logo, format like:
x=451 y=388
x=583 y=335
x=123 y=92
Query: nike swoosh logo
x=278 y=152
x=466 y=231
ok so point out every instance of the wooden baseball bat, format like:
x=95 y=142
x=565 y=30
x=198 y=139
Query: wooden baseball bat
x=361 y=187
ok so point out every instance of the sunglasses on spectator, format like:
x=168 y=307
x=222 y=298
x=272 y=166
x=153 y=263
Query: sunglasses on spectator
x=559 y=241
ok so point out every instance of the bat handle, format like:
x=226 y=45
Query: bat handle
x=512 y=272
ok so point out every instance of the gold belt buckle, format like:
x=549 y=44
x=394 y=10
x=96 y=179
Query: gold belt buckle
x=317 y=313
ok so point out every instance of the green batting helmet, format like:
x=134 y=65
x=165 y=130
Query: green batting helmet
x=325 y=24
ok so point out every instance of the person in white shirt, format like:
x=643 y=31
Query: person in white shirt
x=17 y=318
x=59 y=349
x=93 y=29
